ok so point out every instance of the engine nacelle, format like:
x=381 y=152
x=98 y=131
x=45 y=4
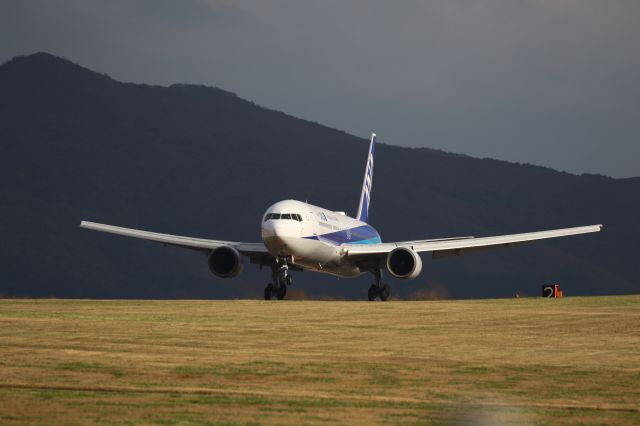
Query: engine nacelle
x=404 y=263
x=225 y=262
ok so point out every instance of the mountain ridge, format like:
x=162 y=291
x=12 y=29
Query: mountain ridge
x=42 y=56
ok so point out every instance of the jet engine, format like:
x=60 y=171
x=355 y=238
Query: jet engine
x=225 y=262
x=404 y=263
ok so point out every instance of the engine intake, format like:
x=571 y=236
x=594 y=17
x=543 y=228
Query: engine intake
x=225 y=262
x=404 y=263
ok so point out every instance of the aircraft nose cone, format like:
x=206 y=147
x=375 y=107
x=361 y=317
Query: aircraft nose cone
x=268 y=229
x=274 y=234
x=275 y=228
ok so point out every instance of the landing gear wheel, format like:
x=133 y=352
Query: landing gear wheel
x=372 y=293
x=289 y=280
x=385 y=291
x=268 y=291
x=281 y=292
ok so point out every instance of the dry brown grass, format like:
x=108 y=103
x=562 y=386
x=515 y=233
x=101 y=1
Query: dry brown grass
x=182 y=362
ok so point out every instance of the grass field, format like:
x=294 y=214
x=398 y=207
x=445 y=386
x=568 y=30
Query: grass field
x=573 y=360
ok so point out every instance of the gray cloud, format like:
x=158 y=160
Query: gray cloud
x=550 y=82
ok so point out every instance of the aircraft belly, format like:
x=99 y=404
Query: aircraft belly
x=315 y=251
x=320 y=256
x=342 y=270
x=346 y=270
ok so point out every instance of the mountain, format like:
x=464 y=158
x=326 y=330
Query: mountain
x=201 y=161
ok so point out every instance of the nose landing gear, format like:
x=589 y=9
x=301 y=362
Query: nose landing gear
x=378 y=289
x=281 y=279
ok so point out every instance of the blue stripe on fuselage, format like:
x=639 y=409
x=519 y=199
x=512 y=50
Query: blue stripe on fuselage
x=358 y=235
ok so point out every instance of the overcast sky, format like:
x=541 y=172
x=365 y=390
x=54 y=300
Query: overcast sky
x=548 y=82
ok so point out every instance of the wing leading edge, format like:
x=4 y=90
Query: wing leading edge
x=456 y=247
x=178 y=240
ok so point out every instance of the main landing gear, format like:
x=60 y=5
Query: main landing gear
x=281 y=279
x=378 y=289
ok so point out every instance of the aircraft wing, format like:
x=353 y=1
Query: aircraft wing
x=463 y=245
x=254 y=250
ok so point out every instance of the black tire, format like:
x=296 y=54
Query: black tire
x=281 y=292
x=289 y=280
x=268 y=291
x=372 y=293
x=385 y=291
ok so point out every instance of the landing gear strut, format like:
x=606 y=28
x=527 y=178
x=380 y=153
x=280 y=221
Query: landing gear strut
x=268 y=291
x=378 y=289
x=281 y=279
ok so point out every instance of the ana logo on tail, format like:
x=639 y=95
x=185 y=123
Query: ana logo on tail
x=365 y=196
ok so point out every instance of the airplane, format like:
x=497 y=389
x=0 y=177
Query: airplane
x=299 y=236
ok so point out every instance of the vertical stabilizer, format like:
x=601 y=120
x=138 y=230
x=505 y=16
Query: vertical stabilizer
x=365 y=195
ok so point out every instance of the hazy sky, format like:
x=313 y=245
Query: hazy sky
x=548 y=82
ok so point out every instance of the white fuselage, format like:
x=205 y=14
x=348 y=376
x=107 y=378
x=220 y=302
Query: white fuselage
x=314 y=238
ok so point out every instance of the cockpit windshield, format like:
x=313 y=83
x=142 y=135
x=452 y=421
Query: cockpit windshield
x=283 y=216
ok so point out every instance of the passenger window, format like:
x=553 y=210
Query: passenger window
x=286 y=216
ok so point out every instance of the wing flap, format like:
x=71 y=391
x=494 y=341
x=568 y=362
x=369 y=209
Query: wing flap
x=439 y=254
